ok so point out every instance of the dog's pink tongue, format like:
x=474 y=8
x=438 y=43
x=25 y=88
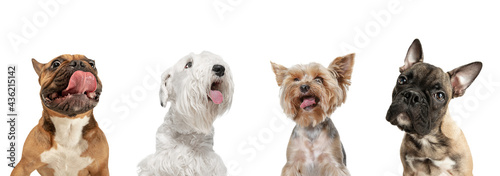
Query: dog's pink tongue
x=216 y=96
x=308 y=102
x=81 y=82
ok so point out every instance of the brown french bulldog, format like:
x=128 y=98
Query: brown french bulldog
x=67 y=140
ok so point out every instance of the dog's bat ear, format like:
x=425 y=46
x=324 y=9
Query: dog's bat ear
x=414 y=55
x=280 y=72
x=165 y=79
x=462 y=77
x=37 y=66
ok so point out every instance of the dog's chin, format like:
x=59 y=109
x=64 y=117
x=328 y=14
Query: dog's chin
x=70 y=104
x=406 y=129
x=308 y=111
x=403 y=122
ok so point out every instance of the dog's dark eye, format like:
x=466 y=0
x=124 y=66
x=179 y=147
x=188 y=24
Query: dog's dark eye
x=56 y=64
x=188 y=65
x=92 y=64
x=402 y=80
x=439 y=96
x=319 y=80
x=296 y=79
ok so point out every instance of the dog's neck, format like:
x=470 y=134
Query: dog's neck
x=440 y=136
x=51 y=121
x=174 y=119
x=180 y=132
x=312 y=132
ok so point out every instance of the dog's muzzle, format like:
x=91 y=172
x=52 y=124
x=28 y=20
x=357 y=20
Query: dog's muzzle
x=409 y=111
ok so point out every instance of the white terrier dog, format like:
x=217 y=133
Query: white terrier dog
x=200 y=88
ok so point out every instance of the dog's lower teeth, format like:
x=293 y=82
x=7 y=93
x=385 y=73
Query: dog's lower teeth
x=53 y=95
x=91 y=95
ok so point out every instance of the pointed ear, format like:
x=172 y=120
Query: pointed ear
x=414 y=55
x=165 y=87
x=280 y=72
x=462 y=77
x=343 y=66
x=37 y=66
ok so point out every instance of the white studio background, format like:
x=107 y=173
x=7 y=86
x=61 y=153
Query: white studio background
x=134 y=41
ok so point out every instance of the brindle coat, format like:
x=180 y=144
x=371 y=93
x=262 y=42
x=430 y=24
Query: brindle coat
x=433 y=143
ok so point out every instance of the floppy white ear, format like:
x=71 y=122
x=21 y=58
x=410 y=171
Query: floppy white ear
x=165 y=80
x=414 y=55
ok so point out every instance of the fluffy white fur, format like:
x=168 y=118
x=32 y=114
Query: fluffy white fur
x=184 y=142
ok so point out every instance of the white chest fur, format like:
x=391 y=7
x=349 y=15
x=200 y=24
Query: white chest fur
x=444 y=164
x=65 y=158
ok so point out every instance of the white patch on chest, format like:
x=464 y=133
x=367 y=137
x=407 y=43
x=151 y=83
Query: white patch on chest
x=65 y=158
x=426 y=140
x=444 y=164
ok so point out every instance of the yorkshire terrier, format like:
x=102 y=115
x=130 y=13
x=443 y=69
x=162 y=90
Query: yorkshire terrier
x=309 y=95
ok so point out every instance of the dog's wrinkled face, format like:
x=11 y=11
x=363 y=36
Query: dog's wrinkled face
x=69 y=84
x=420 y=98
x=422 y=92
x=200 y=87
x=310 y=93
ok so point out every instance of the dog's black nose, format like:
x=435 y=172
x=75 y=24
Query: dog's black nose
x=77 y=64
x=304 y=88
x=219 y=70
x=412 y=97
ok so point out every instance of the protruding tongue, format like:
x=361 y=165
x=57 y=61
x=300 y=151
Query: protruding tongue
x=81 y=82
x=216 y=96
x=308 y=102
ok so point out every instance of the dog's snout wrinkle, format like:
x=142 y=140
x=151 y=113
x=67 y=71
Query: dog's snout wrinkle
x=407 y=95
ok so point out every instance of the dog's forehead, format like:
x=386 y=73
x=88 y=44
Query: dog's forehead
x=310 y=70
x=200 y=59
x=65 y=58
x=73 y=57
x=209 y=59
x=428 y=75
x=69 y=57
